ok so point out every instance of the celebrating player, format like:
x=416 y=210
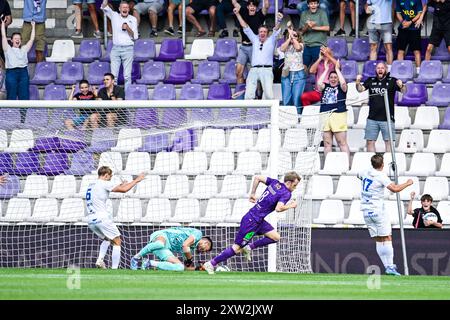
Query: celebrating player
x=275 y=197
x=374 y=181
x=99 y=219
x=164 y=242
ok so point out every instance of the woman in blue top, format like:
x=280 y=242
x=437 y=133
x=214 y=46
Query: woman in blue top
x=334 y=94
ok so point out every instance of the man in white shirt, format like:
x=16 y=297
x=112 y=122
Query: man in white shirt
x=100 y=218
x=125 y=32
x=374 y=180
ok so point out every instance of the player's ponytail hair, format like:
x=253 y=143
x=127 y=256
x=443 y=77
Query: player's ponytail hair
x=291 y=176
x=104 y=170
x=377 y=161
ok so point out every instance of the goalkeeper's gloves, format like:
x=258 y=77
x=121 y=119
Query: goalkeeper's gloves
x=188 y=262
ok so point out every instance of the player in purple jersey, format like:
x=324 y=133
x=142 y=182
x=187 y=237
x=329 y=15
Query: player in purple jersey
x=275 y=197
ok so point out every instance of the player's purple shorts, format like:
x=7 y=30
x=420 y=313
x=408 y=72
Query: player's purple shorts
x=249 y=227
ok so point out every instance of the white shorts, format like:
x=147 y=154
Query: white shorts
x=103 y=227
x=378 y=222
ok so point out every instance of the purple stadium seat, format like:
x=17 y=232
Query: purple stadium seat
x=136 y=92
x=190 y=91
x=207 y=72
x=173 y=117
x=180 y=72
x=291 y=8
x=445 y=125
x=201 y=115
x=164 y=92
x=144 y=50
x=369 y=69
x=10 y=188
x=447 y=78
x=103 y=139
x=171 y=50
x=229 y=73
x=182 y=141
x=403 y=70
x=26 y=163
x=416 y=94
x=10 y=118
x=32 y=53
x=440 y=96
x=240 y=87
x=349 y=70
x=82 y=163
x=224 y=50
x=45 y=73
x=89 y=51
x=55 y=92
x=155 y=142
x=441 y=53
x=228 y=117
x=96 y=72
x=33 y=91
x=57 y=117
x=55 y=163
x=71 y=72
x=338 y=46
x=430 y=72
x=135 y=73
x=67 y=141
x=36 y=118
x=146 y=118
x=6 y=164
x=152 y=73
x=105 y=57
x=219 y=91
x=258 y=115
x=360 y=50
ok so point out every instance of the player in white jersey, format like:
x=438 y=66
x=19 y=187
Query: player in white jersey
x=378 y=222
x=100 y=219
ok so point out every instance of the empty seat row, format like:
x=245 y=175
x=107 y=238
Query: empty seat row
x=332 y=212
x=128 y=211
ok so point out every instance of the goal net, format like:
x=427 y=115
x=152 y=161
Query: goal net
x=199 y=158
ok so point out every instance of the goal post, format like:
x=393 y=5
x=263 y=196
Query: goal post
x=199 y=155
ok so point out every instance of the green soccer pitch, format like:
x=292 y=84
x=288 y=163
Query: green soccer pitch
x=158 y=285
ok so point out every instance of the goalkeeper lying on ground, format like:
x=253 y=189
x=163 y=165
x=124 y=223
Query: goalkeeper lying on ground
x=164 y=242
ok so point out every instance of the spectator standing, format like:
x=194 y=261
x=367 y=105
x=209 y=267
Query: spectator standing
x=410 y=16
x=125 y=31
x=254 y=19
x=318 y=68
x=175 y=5
x=35 y=10
x=418 y=213
x=293 y=75
x=379 y=25
x=323 y=4
x=263 y=48
x=334 y=94
x=112 y=92
x=194 y=8
x=78 y=34
x=342 y=7
x=441 y=25
x=16 y=63
x=153 y=7
x=5 y=14
x=88 y=117
x=377 y=118
x=315 y=26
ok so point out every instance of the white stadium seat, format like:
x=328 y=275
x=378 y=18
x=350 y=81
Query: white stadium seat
x=85 y=182
x=422 y=164
x=438 y=141
x=350 y=116
x=177 y=186
x=212 y=140
x=248 y=163
x=355 y=140
x=284 y=163
x=437 y=187
x=240 y=208
x=361 y=161
x=392 y=209
x=62 y=51
x=128 y=140
x=411 y=141
x=288 y=117
x=354 y=97
x=320 y=187
x=186 y=210
x=402 y=118
x=295 y=140
x=36 y=186
x=444 y=210
x=217 y=210
x=64 y=186
x=309 y=117
x=262 y=141
x=348 y=188
x=240 y=140
x=330 y=212
x=400 y=159
x=18 y=210
x=130 y=210
x=45 y=210
x=113 y=160
x=148 y=188
x=362 y=118
x=205 y=187
x=137 y=162
x=71 y=210
x=119 y=179
x=427 y=118
x=158 y=210
x=200 y=49
x=4 y=140
x=405 y=193
x=336 y=163
x=221 y=163
x=355 y=215
x=20 y=141
x=194 y=163
x=307 y=163
x=233 y=186
x=166 y=163
x=444 y=170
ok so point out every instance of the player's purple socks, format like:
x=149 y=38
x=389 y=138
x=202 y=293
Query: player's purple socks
x=224 y=255
x=261 y=242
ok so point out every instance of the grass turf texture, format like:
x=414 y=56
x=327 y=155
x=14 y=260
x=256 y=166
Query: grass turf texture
x=159 y=285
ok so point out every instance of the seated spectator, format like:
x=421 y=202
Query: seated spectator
x=314 y=28
x=79 y=18
x=112 y=92
x=418 y=213
x=342 y=7
x=174 y=5
x=87 y=117
x=334 y=94
x=225 y=7
x=153 y=7
x=326 y=56
x=194 y=8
